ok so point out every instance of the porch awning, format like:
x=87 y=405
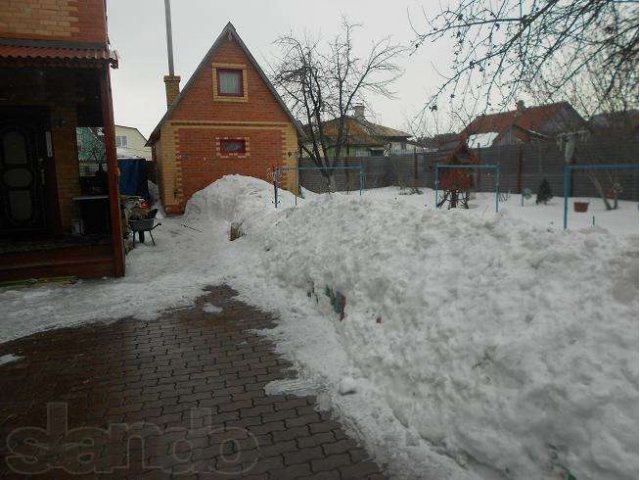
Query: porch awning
x=60 y=55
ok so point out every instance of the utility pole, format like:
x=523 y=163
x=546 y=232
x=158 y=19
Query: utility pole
x=167 y=11
x=171 y=81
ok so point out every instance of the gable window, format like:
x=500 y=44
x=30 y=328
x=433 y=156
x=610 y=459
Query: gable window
x=230 y=82
x=233 y=146
x=121 y=141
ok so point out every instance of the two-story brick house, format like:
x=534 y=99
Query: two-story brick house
x=228 y=119
x=55 y=77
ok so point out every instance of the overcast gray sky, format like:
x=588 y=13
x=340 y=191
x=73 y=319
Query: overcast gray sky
x=137 y=31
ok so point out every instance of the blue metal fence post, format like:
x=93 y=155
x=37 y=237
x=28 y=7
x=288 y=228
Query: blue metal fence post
x=297 y=192
x=497 y=186
x=436 y=185
x=565 y=188
x=275 y=186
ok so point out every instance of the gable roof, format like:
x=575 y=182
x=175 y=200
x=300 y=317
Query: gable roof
x=377 y=130
x=132 y=128
x=229 y=29
x=529 y=120
x=363 y=132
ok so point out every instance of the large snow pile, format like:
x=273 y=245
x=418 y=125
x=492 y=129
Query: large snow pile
x=474 y=345
x=502 y=345
x=238 y=199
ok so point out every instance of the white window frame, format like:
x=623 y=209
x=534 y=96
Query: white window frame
x=119 y=143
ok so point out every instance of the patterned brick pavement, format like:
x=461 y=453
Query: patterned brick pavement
x=179 y=397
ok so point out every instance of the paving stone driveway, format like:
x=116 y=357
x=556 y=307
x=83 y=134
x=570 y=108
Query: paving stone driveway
x=180 y=397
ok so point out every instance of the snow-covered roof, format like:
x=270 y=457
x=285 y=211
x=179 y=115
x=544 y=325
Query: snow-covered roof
x=123 y=154
x=482 y=140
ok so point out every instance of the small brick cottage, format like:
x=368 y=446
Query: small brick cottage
x=228 y=119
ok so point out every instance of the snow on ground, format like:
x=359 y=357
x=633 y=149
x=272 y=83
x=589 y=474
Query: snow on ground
x=474 y=345
x=624 y=220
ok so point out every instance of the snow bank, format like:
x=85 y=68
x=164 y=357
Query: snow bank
x=237 y=199
x=505 y=346
x=474 y=345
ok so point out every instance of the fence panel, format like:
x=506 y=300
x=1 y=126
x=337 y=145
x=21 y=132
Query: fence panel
x=522 y=166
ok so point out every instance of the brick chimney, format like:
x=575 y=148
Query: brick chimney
x=520 y=106
x=358 y=112
x=172 y=87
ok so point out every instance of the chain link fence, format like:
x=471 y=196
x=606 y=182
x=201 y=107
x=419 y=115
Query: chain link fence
x=522 y=167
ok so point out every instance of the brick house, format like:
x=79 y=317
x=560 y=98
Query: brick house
x=55 y=77
x=228 y=119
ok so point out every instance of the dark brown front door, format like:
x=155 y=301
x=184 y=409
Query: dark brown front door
x=22 y=177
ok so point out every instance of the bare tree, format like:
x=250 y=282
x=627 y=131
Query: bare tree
x=95 y=148
x=504 y=47
x=435 y=122
x=590 y=93
x=324 y=81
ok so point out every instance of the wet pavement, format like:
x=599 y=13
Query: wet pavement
x=178 y=397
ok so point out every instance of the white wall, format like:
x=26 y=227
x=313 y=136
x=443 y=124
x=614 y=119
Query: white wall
x=135 y=142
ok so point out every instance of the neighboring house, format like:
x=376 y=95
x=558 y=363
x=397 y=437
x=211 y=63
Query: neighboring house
x=620 y=125
x=365 y=138
x=54 y=77
x=228 y=119
x=130 y=141
x=523 y=124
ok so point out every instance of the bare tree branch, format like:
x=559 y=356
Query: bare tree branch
x=507 y=48
x=321 y=84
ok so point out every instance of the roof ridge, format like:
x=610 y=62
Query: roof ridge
x=515 y=110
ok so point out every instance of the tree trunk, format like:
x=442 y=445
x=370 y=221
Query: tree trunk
x=331 y=181
x=596 y=183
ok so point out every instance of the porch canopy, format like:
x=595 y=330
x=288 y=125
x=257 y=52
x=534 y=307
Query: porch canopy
x=47 y=90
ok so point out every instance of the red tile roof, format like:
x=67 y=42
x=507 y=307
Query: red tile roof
x=531 y=118
x=60 y=54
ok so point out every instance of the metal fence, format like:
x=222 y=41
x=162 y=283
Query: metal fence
x=522 y=167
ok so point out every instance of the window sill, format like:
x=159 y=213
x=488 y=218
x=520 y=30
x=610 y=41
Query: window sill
x=230 y=99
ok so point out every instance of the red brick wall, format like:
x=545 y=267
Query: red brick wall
x=203 y=163
x=200 y=105
x=66 y=20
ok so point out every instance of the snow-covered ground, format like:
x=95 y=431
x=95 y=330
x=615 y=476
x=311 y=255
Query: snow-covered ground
x=474 y=344
x=624 y=220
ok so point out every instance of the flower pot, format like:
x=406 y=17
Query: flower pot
x=580 y=206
